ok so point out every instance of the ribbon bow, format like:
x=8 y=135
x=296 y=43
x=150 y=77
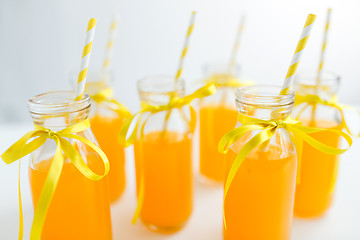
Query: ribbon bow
x=267 y=130
x=175 y=102
x=312 y=100
x=227 y=80
x=23 y=147
x=106 y=95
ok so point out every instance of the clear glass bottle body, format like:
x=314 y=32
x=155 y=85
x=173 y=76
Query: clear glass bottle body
x=163 y=157
x=217 y=116
x=318 y=170
x=259 y=203
x=106 y=123
x=76 y=197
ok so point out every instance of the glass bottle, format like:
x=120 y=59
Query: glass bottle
x=106 y=122
x=163 y=156
x=80 y=207
x=318 y=170
x=259 y=203
x=217 y=116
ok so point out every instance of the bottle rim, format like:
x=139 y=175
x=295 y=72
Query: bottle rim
x=57 y=103
x=264 y=96
x=309 y=78
x=160 y=84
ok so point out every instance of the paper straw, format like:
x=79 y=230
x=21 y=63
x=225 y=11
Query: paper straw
x=186 y=45
x=318 y=80
x=110 y=44
x=85 y=58
x=297 y=55
x=235 y=49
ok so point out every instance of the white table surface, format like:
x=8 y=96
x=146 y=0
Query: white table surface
x=342 y=222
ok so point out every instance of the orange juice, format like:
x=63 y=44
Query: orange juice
x=259 y=203
x=215 y=121
x=165 y=160
x=106 y=130
x=318 y=172
x=80 y=207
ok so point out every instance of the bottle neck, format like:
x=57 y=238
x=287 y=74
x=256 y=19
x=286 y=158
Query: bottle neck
x=58 y=110
x=159 y=90
x=264 y=102
x=307 y=84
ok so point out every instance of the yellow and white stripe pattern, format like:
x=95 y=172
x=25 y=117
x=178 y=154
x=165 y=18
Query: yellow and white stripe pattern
x=236 y=44
x=85 y=58
x=110 y=44
x=297 y=55
x=323 y=47
x=186 y=45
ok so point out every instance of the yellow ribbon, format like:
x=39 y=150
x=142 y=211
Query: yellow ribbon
x=227 y=80
x=106 y=95
x=267 y=130
x=313 y=100
x=175 y=102
x=23 y=147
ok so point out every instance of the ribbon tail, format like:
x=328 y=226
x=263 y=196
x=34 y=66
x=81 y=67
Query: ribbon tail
x=192 y=121
x=21 y=216
x=47 y=193
x=74 y=156
x=121 y=110
x=79 y=127
x=234 y=135
x=254 y=142
x=302 y=132
x=12 y=154
x=140 y=198
x=124 y=130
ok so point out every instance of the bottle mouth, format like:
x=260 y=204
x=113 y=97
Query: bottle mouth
x=221 y=69
x=57 y=103
x=160 y=84
x=307 y=81
x=158 y=89
x=95 y=81
x=264 y=96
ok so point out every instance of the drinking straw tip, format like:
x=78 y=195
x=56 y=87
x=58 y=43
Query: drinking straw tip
x=91 y=24
x=310 y=19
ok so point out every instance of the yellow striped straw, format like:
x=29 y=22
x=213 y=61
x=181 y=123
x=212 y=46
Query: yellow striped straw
x=186 y=45
x=297 y=55
x=318 y=81
x=236 y=45
x=110 y=44
x=85 y=58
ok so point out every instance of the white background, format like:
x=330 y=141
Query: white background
x=41 y=42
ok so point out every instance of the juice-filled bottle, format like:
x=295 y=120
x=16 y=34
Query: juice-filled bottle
x=80 y=207
x=217 y=115
x=259 y=202
x=163 y=158
x=106 y=119
x=318 y=170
